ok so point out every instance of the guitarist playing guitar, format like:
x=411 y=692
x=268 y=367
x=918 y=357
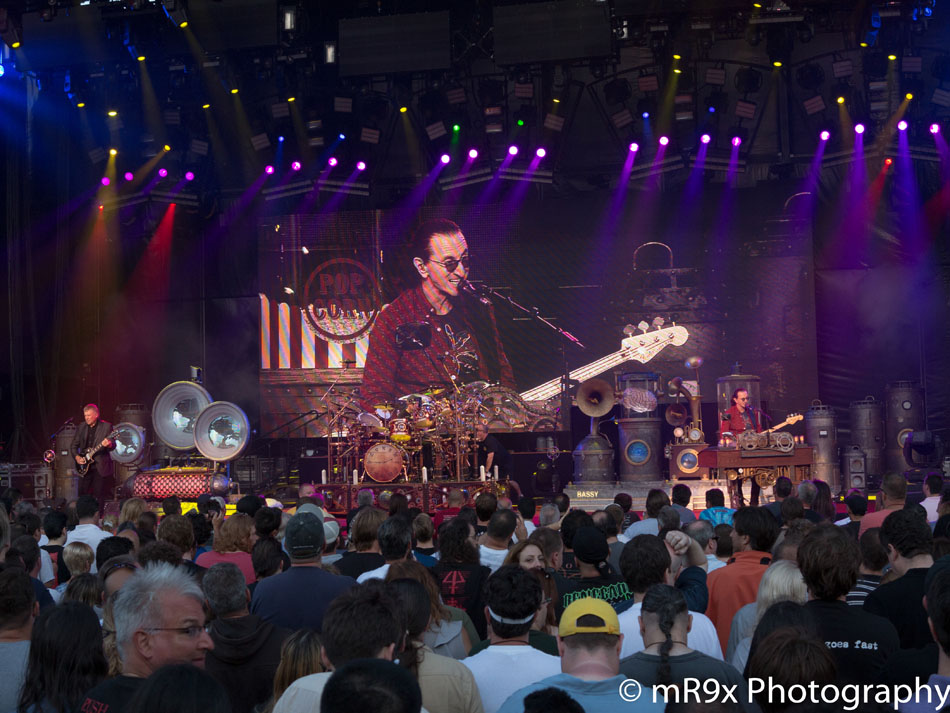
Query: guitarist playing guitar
x=739 y=417
x=94 y=434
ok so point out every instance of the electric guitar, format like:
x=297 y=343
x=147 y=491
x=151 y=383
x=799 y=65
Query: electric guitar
x=792 y=418
x=637 y=347
x=83 y=468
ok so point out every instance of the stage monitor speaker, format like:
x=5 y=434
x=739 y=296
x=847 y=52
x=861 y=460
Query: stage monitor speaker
x=684 y=462
x=175 y=411
x=854 y=463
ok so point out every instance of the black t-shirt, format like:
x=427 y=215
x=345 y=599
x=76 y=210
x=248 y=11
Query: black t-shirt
x=461 y=587
x=860 y=642
x=56 y=555
x=901 y=602
x=353 y=564
x=569 y=567
x=111 y=696
x=611 y=588
x=502 y=456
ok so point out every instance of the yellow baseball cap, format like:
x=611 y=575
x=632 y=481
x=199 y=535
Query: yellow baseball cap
x=596 y=607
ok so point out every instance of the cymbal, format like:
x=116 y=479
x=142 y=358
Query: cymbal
x=385 y=407
x=424 y=398
x=435 y=391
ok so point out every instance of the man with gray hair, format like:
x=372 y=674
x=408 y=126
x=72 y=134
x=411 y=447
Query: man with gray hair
x=549 y=515
x=159 y=620
x=705 y=535
x=246 y=649
x=364 y=499
x=807 y=492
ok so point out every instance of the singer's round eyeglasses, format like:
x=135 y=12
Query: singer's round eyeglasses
x=451 y=264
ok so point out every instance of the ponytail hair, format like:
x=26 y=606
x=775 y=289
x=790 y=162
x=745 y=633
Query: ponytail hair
x=666 y=603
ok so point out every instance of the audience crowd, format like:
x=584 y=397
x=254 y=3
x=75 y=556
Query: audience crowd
x=498 y=608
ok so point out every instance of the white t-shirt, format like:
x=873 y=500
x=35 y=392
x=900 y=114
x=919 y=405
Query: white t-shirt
x=47 y=572
x=501 y=670
x=92 y=535
x=713 y=563
x=303 y=695
x=378 y=573
x=493 y=559
x=702 y=636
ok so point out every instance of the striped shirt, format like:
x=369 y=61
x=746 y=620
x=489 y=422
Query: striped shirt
x=866 y=584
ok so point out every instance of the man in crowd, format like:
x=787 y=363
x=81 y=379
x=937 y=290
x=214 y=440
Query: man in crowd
x=395 y=544
x=597 y=579
x=485 y=506
x=656 y=501
x=298 y=598
x=549 y=515
x=933 y=488
x=605 y=522
x=246 y=649
x=365 y=622
x=88 y=530
x=892 y=497
x=18 y=609
x=702 y=531
x=937 y=602
x=857 y=507
x=782 y=489
x=572 y=522
x=871 y=569
x=177 y=530
x=159 y=619
x=25 y=548
x=807 y=492
x=908 y=541
x=737 y=584
x=494 y=545
x=716 y=512
x=371 y=685
x=681 y=497
x=860 y=642
x=513 y=597
x=647 y=560
x=589 y=641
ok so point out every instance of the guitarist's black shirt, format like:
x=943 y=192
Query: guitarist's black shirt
x=90 y=435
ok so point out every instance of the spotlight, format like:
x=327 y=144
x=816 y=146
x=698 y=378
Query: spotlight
x=445 y=158
x=705 y=138
x=935 y=128
x=541 y=152
x=268 y=169
x=189 y=176
x=105 y=181
x=645 y=115
x=81 y=105
x=296 y=165
x=776 y=64
x=234 y=91
x=167 y=147
x=291 y=99
x=403 y=109
x=163 y=172
x=360 y=165
x=205 y=106
x=634 y=147
x=888 y=161
x=902 y=125
x=473 y=154
x=664 y=140
x=456 y=128
x=332 y=161
x=280 y=139
x=129 y=176
x=113 y=152
x=736 y=141
x=512 y=150
x=112 y=112
x=892 y=57
x=141 y=58
x=908 y=96
x=840 y=100
x=859 y=128
x=824 y=135
x=342 y=137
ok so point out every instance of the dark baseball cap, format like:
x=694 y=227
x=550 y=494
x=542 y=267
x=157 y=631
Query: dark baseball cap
x=590 y=546
x=303 y=536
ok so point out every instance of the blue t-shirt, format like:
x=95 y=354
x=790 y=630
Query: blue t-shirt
x=297 y=598
x=593 y=696
x=718 y=515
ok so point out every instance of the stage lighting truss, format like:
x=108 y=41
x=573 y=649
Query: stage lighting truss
x=480 y=175
x=526 y=175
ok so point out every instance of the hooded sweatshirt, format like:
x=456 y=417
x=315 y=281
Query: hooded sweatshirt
x=245 y=658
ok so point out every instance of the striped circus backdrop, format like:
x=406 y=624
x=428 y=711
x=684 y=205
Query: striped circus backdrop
x=288 y=342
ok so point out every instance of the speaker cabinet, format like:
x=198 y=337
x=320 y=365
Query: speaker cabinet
x=684 y=462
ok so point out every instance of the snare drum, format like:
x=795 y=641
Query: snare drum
x=385 y=462
x=399 y=430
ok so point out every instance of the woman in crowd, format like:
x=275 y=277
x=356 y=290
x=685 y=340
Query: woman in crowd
x=299 y=657
x=459 y=572
x=233 y=543
x=65 y=659
x=528 y=555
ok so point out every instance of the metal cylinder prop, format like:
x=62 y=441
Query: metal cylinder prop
x=867 y=433
x=64 y=463
x=640 y=449
x=594 y=460
x=66 y=486
x=187 y=483
x=821 y=432
x=903 y=413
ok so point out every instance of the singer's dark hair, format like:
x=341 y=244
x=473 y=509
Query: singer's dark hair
x=735 y=394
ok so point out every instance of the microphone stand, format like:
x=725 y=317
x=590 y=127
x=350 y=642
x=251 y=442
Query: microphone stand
x=532 y=312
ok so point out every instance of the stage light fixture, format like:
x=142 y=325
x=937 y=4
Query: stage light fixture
x=112 y=113
x=935 y=128
x=205 y=106
x=105 y=181
x=908 y=96
x=167 y=147
x=342 y=137
x=902 y=125
x=888 y=161
x=175 y=11
x=280 y=139
x=129 y=176
x=776 y=64
x=892 y=57
x=81 y=105
x=189 y=176
x=541 y=152
x=634 y=147
x=664 y=140
x=473 y=154
x=360 y=165
x=445 y=158
x=141 y=58
x=824 y=135
x=235 y=90
x=332 y=161
x=268 y=169
x=840 y=100
x=291 y=99
x=403 y=109
x=296 y=165
x=512 y=150
x=113 y=152
x=163 y=172
x=736 y=141
x=859 y=128
x=705 y=138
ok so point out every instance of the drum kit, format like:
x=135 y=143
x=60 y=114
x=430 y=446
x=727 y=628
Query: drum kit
x=432 y=429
